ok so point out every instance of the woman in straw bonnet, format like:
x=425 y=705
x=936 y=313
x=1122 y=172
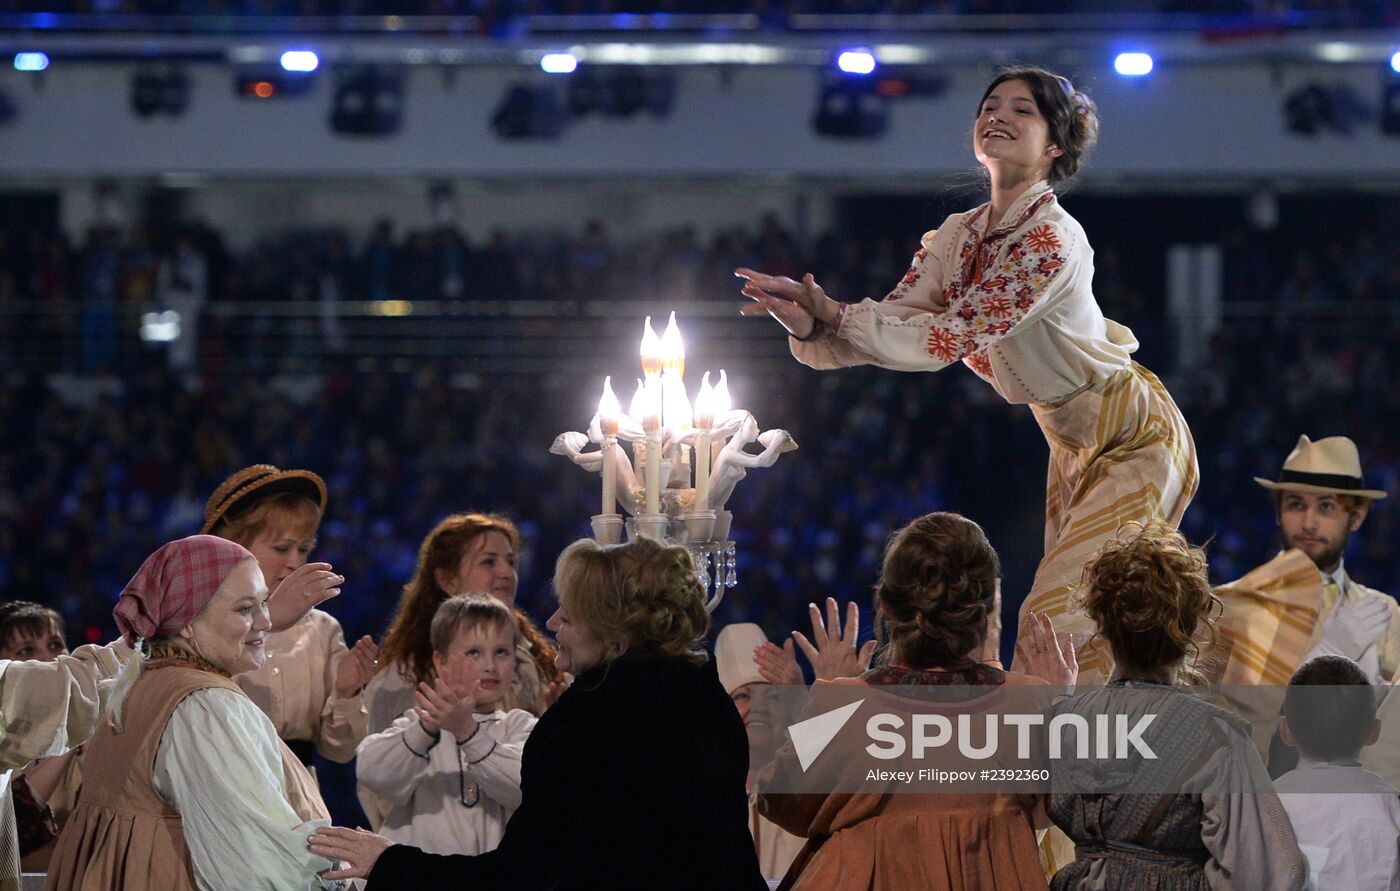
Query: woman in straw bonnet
x=310 y=684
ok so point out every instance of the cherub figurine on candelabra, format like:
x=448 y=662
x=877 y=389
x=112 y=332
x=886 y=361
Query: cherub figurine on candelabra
x=670 y=438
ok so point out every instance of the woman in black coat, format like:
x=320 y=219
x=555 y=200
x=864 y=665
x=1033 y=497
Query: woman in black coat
x=635 y=777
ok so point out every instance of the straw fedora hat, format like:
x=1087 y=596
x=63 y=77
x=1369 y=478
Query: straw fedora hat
x=250 y=485
x=734 y=655
x=1330 y=466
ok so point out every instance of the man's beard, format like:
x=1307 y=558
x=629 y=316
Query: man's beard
x=1331 y=557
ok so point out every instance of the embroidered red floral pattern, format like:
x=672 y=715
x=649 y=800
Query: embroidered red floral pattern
x=980 y=363
x=1042 y=239
x=942 y=345
x=988 y=300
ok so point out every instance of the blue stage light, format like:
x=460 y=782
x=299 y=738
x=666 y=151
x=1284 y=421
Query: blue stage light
x=559 y=63
x=299 y=60
x=31 y=61
x=1133 y=64
x=1395 y=63
x=856 y=62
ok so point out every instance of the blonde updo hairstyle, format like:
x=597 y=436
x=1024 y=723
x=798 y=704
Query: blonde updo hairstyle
x=640 y=597
x=937 y=590
x=1071 y=118
x=1149 y=595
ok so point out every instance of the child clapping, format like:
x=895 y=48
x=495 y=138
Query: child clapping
x=450 y=768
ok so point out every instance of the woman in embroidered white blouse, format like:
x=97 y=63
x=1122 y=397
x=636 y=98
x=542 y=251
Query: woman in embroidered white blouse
x=1005 y=288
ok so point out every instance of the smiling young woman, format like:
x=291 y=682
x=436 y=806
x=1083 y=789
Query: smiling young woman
x=1005 y=289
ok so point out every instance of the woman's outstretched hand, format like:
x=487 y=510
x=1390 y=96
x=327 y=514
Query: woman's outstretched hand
x=832 y=650
x=1044 y=653
x=309 y=585
x=354 y=850
x=797 y=306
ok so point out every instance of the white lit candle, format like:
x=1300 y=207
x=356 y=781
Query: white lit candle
x=637 y=410
x=704 y=420
x=651 y=423
x=608 y=410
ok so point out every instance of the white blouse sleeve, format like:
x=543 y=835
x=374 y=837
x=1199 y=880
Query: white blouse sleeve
x=47 y=708
x=927 y=323
x=220 y=765
x=391 y=763
x=492 y=756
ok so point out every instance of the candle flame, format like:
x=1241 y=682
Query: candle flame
x=673 y=348
x=676 y=403
x=608 y=409
x=653 y=351
x=722 y=403
x=637 y=408
x=705 y=404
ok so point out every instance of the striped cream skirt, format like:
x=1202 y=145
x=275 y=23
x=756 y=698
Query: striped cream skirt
x=1120 y=452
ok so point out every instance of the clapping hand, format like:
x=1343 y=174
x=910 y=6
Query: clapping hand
x=357 y=667
x=778 y=665
x=1044 y=654
x=797 y=306
x=831 y=650
x=309 y=585
x=445 y=705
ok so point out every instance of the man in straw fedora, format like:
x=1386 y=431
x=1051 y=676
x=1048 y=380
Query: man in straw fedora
x=1302 y=603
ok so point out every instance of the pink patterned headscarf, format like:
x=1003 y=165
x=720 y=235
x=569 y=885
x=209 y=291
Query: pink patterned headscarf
x=174 y=585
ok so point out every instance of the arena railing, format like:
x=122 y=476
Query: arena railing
x=491 y=336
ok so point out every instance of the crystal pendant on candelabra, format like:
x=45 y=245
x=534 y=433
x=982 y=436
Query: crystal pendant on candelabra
x=714 y=567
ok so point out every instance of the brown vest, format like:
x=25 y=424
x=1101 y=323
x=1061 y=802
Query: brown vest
x=123 y=834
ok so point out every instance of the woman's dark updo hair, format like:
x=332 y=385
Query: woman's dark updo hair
x=1071 y=118
x=1148 y=592
x=937 y=589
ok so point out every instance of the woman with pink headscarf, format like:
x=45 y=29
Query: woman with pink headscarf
x=187 y=784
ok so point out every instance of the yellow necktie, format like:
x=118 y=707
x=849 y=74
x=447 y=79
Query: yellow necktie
x=1331 y=593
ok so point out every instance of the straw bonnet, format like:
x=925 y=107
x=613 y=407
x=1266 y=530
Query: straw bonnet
x=1330 y=466
x=250 y=485
x=734 y=655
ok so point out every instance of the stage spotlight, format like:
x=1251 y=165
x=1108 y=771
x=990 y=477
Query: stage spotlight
x=270 y=82
x=856 y=62
x=528 y=112
x=303 y=61
x=851 y=108
x=1395 y=63
x=368 y=102
x=559 y=63
x=31 y=61
x=159 y=91
x=1133 y=64
x=623 y=95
